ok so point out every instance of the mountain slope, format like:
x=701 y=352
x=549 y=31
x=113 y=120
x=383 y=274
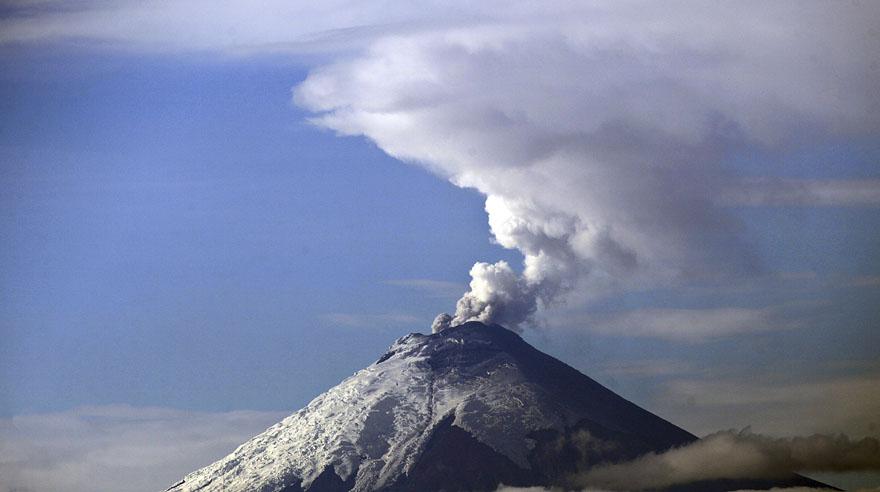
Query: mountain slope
x=464 y=409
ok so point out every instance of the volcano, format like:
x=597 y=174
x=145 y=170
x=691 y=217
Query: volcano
x=469 y=408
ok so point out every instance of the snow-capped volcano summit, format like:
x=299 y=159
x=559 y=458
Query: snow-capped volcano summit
x=467 y=408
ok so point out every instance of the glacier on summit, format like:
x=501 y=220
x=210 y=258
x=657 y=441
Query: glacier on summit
x=466 y=408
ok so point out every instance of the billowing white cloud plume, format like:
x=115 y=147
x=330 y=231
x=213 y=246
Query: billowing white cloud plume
x=497 y=295
x=597 y=130
x=599 y=134
x=737 y=455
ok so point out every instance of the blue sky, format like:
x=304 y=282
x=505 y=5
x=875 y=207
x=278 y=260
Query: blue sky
x=163 y=215
x=166 y=216
x=167 y=213
x=181 y=232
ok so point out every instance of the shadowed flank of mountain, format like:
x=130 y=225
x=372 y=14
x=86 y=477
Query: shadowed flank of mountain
x=454 y=460
x=468 y=408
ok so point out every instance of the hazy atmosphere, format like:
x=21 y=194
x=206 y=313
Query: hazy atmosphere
x=210 y=214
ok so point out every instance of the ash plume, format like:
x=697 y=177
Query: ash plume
x=599 y=135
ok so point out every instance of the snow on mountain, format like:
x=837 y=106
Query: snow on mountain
x=463 y=409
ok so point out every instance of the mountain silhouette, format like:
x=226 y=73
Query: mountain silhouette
x=469 y=408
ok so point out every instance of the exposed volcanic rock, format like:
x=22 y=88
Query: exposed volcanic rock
x=466 y=408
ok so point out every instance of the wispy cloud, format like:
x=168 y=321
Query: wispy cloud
x=434 y=288
x=791 y=489
x=647 y=368
x=117 y=448
x=363 y=320
x=864 y=281
x=232 y=28
x=801 y=192
x=846 y=403
x=698 y=324
x=505 y=488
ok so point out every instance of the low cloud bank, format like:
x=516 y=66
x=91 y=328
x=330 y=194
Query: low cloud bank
x=737 y=455
x=119 y=447
x=710 y=401
x=505 y=488
x=725 y=455
x=733 y=455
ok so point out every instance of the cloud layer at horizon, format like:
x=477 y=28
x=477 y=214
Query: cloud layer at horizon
x=118 y=447
x=735 y=455
x=91 y=448
x=804 y=70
